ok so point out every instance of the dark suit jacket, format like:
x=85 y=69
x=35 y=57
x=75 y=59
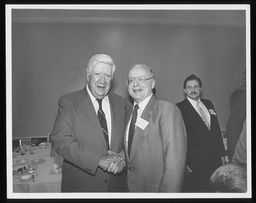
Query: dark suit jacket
x=235 y=121
x=158 y=153
x=78 y=138
x=205 y=147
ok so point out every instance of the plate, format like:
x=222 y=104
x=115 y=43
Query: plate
x=22 y=161
x=38 y=161
x=26 y=177
x=55 y=172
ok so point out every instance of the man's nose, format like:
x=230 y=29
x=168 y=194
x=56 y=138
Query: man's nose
x=102 y=79
x=135 y=83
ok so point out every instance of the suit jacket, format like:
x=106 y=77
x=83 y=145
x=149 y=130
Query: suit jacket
x=78 y=138
x=205 y=147
x=235 y=121
x=240 y=149
x=158 y=153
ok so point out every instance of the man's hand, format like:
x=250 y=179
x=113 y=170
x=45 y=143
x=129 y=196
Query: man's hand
x=224 y=159
x=118 y=164
x=112 y=162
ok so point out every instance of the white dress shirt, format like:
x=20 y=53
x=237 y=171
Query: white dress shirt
x=141 y=108
x=203 y=107
x=105 y=108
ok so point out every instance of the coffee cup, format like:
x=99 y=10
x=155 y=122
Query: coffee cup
x=42 y=145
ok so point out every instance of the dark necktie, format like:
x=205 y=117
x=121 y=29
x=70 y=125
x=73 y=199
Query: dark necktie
x=132 y=127
x=103 y=122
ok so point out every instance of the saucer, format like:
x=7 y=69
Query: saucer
x=22 y=161
x=26 y=177
x=55 y=172
x=42 y=147
x=38 y=161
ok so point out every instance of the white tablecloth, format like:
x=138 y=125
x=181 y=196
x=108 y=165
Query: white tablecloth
x=45 y=181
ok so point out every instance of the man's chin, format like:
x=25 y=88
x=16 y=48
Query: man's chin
x=100 y=95
x=194 y=98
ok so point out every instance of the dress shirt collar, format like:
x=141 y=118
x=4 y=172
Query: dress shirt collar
x=203 y=107
x=193 y=102
x=105 y=99
x=144 y=103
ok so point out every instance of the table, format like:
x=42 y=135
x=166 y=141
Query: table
x=45 y=181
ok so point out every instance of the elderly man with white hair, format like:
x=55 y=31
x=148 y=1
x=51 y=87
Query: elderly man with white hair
x=88 y=133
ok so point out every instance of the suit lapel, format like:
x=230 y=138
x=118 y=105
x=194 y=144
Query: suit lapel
x=146 y=114
x=114 y=107
x=87 y=106
x=192 y=109
x=194 y=112
x=208 y=107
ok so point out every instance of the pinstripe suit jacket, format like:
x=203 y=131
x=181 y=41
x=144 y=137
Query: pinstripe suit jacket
x=78 y=138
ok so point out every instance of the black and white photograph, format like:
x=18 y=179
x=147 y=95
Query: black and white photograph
x=128 y=101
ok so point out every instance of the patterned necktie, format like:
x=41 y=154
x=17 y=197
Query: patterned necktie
x=103 y=122
x=203 y=115
x=132 y=127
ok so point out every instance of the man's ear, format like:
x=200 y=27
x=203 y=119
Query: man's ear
x=153 y=84
x=87 y=75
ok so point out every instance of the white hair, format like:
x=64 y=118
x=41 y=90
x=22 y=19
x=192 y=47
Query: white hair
x=100 y=58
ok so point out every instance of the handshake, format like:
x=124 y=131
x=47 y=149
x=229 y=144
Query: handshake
x=112 y=162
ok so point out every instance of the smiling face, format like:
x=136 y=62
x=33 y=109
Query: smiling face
x=193 y=89
x=99 y=79
x=140 y=83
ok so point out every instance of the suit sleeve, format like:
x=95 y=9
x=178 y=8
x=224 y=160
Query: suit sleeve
x=219 y=140
x=240 y=149
x=64 y=143
x=174 y=140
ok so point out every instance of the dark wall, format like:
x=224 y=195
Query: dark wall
x=49 y=59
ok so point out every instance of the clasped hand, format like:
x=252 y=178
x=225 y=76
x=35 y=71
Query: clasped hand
x=112 y=162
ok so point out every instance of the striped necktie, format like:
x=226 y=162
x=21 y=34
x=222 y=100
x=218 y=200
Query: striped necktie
x=203 y=115
x=103 y=122
x=132 y=127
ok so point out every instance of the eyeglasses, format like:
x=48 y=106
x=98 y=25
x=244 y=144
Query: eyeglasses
x=140 y=80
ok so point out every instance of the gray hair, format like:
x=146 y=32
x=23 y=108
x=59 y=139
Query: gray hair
x=230 y=177
x=103 y=58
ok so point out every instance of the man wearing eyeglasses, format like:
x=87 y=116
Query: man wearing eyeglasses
x=155 y=137
x=88 y=133
x=206 y=150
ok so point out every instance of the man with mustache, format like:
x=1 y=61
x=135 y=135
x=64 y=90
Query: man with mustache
x=88 y=133
x=206 y=150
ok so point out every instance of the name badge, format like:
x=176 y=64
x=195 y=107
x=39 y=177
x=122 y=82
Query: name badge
x=141 y=123
x=212 y=112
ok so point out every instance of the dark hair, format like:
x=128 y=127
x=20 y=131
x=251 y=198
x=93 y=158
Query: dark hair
x=230 y=177
x=192 y=77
